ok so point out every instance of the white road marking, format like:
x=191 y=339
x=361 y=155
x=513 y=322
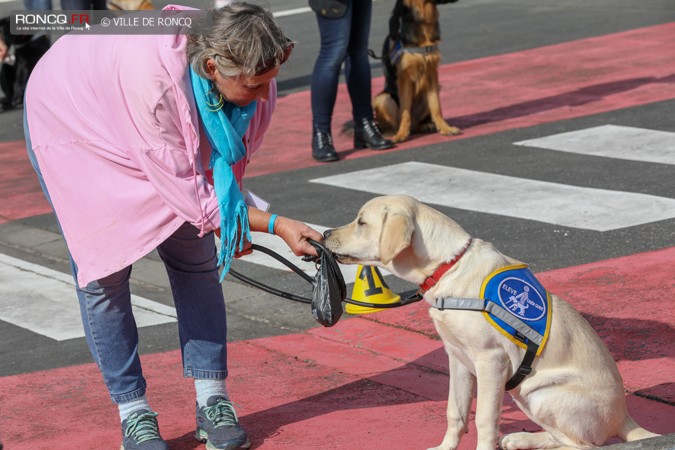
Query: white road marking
x=43 y=300
x=559 y=204
x=292 y=12
x=613 y=141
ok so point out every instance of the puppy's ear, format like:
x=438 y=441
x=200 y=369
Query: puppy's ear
x=397 y=230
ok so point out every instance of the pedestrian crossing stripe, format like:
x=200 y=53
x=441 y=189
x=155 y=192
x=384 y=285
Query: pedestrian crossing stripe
x=542 y=201
x=612 y=141
x=43 y=301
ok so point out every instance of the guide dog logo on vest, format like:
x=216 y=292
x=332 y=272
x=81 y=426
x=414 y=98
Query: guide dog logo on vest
x=516 y=290
x=521 y=299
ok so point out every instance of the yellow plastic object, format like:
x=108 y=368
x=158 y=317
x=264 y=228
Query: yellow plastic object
x=370 y=287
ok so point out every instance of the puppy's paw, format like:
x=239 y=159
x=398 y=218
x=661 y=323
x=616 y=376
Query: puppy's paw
x=507 y=443
x=450 y=131
x=524 y=441
x=447 y=444
x=400 y=137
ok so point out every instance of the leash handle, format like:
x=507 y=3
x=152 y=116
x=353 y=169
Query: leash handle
x=284 y=261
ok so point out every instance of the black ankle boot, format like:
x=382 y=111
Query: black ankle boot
x=322 y=147
x=366 y=134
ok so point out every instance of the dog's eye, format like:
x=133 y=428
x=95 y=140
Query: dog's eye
x=361 y=222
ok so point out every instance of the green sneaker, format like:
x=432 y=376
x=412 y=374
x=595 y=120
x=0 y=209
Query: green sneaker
x=140 y=431
x=218 y=426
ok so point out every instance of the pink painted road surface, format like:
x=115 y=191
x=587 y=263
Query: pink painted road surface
x=374 y=381
x=481 y=96
x=498 y=93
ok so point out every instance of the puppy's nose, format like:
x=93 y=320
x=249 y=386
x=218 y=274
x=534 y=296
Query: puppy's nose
x=327 y=233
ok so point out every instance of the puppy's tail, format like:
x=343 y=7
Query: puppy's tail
x=631 y=431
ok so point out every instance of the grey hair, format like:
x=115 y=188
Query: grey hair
x=244 y=40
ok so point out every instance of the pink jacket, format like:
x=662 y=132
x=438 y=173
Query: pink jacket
x=114 y=127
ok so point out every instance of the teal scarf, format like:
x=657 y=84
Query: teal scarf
x=225 y=130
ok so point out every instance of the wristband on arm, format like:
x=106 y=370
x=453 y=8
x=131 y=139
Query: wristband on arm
x=270 y=224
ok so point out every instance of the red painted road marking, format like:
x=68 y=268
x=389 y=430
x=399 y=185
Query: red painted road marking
x=498 y=93
x=482 y=96
x=622 y=298
x=374 y=381
x=21 y=193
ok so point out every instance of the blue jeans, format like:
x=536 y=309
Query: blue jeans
x=109 y=325
x=343 y=40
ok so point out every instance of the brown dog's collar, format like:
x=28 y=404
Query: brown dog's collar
x=440 y=271
x=399 y=50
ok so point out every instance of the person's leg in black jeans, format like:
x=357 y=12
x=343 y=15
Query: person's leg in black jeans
x=335 y=35
x=344 y=40
x=357 y=65
x=357 y=72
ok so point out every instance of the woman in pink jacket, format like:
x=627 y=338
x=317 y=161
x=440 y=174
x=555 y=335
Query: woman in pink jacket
x=120 y=130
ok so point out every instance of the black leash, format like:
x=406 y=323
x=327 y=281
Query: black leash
x=296 y=298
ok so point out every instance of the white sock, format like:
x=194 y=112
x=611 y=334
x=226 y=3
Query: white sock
x=208 y=388
x=129 y=407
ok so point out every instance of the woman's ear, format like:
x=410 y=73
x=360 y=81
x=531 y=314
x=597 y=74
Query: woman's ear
x=210 y=68
x=397 y=230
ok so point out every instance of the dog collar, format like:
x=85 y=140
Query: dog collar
x=440 y=271
x=399 y=50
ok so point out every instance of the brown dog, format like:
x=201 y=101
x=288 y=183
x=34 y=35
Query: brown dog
x=410 y=59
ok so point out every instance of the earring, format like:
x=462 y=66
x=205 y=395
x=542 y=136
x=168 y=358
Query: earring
x=217 y=106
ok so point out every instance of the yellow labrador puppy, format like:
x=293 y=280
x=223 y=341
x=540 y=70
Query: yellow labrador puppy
x=563 y=377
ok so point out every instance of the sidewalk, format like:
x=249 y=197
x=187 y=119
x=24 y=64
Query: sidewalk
x=374 y=381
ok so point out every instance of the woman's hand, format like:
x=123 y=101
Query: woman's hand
x=295 y=235
x=246 y=250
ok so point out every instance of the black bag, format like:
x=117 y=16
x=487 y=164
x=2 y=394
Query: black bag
x=329 y=289
x=330 y=9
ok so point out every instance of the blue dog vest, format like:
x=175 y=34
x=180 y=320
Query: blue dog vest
x=516 y=291
x=514 y=302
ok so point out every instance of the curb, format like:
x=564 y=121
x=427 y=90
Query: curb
x=665 y=442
